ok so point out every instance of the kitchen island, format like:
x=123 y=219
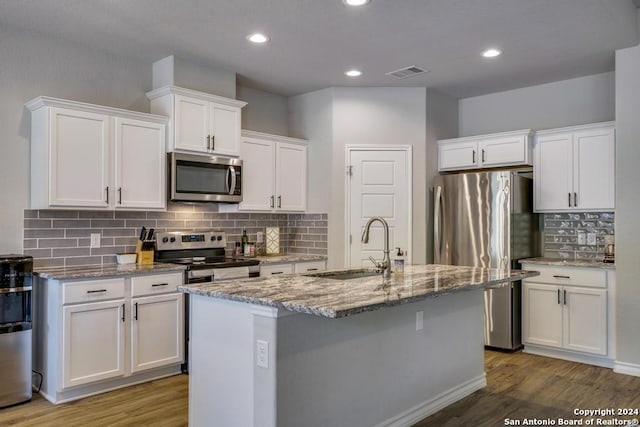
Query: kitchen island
x=307 y=350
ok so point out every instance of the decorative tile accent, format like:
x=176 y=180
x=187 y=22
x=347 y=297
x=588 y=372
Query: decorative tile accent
x=272 y=238
x=61 y=237
x=566 y=234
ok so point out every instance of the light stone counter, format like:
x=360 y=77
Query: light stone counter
x=109 y=270
x=333 y=298
x=569 y=263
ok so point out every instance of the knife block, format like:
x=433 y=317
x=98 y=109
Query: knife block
x=144 y=250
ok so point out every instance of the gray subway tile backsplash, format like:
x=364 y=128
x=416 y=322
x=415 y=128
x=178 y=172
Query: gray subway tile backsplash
x=62 y=237
x=566 y=234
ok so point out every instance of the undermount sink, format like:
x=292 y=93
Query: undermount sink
x=345 y=274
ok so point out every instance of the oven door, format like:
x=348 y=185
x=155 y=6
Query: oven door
x=200 y=178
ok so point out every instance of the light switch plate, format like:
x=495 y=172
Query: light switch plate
x=591 y=238
x=95 y=240
x=582 y=238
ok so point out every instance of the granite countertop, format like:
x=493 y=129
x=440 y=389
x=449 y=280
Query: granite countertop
x=333 y=298
x=110 y=270
x=278 y=259
x=569 y=263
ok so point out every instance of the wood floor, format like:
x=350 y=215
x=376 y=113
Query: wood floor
x=519 y=386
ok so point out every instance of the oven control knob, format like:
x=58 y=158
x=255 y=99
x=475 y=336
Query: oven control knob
x=219 y=238
x=165 y=239
x=173 y=239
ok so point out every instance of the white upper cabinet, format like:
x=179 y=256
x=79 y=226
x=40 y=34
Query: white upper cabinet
x=574 y=168
x=485 y=151
x=89 y=156
x=199 y=122
x=274 y=172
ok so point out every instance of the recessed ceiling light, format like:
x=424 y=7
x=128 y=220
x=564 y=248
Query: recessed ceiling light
x=353 y=73
x=355 y=2
x=257 y=38
x=491 y=53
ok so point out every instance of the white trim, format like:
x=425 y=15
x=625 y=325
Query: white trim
x=626 y=368
x=431 y=406
x=175 y=90
x=271 y=137
x=408 y=150
x=569 y=355
x=575 y=128
x=526 y=132
x=47 y=101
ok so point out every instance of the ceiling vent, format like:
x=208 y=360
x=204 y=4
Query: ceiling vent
x=405 y=72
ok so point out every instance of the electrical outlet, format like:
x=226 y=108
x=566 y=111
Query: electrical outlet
x=262 y=353
x=582 y=238
x=95 y=240
x=591 y=238
x=419 y=320
x=259 y=237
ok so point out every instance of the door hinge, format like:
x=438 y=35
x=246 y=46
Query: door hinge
x=350 y=170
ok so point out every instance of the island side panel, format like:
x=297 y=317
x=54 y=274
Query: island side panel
x=374 y=368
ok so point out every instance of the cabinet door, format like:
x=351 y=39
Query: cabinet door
x=157 y=331
x=542 y=314
x=139 y=164
x=585 y=319
x=191 y=123
x=457 y=155
x=291 y=177
x=309 y=266
x=225 y=129
x=92 y=342
x=79 y=169
x=594 y=168
x=552 y=172
x=505 y=151
x=258 y=157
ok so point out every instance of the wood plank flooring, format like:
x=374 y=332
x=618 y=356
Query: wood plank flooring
x=519 y=386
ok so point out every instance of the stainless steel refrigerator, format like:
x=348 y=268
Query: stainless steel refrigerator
x=486 y=219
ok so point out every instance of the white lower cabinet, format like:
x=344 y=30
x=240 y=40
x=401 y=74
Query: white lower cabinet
x=567 y=312
x=97 y=335
x=267 y=270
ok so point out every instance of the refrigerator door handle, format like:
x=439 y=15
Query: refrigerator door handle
x=437 y=243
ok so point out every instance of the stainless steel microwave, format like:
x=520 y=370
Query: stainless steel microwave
x=202 y=178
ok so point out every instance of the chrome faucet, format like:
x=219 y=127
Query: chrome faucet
x=385 y=265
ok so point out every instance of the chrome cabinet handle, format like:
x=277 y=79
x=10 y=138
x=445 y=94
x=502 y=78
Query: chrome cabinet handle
x=473 y=156
x=208 y=142
x=569 y=194
x=159 y=284
x=312 y=269
x=559 y=296
x=565 y=297
x=106 y=190
x=483 y=155
x=277 y=272
x=272 y=202
x=213 y=142
x=561 y=277
x=135 y=313
x=575 y=199
x=279 y=201
x=123 y=312
x=120 y=195
x=96 y=291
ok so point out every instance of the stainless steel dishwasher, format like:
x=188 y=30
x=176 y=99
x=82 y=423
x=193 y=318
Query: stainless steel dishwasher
x=15 y=329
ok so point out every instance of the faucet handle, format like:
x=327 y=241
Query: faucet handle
x=378 y=265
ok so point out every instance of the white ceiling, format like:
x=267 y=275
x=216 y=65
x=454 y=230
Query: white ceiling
x=314 y=41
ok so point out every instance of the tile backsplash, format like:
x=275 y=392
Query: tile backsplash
x=566 y=235
x=62 y=237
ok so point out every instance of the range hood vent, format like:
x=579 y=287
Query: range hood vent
x=405 y=72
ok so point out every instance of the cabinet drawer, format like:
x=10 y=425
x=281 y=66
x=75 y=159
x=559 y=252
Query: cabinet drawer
x=275 y=270
x=92 y=290
x=155 y=284
x=568 y=276
x=309 y=266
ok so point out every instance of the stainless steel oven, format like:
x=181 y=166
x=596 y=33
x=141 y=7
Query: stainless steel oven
x=202 y=178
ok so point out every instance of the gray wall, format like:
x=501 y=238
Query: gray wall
x=265 y=112
x=577 y=101
x=628 y=204
x=333 y=118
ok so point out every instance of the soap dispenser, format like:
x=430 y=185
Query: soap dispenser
x=398 y=262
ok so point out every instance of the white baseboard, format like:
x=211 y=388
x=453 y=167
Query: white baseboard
x=431 y=406
x=568 y=355
x=626 y=368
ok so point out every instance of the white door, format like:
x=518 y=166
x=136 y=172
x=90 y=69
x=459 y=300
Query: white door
x=79 y=160
x=585 y=319
x=258 y=162
x=542 y=314
x=92 y=342
x=139 y=164
x=157 y=331
x=291 y=177
x=379 y=185
x=457 y=155
x=594 y=168
x=225 y=129
x=553 y=172
x=192 y=124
